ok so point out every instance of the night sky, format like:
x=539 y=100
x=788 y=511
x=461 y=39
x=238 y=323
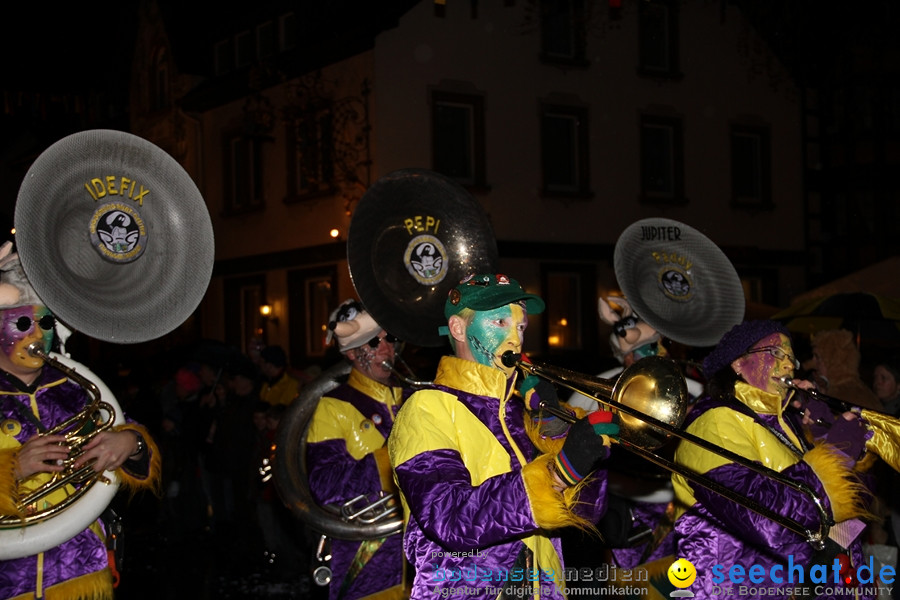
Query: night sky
x=53 y=46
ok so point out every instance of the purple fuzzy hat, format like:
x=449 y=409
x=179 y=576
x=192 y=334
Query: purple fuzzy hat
x=737 y=341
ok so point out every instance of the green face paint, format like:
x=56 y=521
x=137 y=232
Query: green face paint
x=491 y=333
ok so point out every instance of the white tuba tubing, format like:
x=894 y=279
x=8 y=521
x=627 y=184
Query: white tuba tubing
x=289 y=466
x=39 y=537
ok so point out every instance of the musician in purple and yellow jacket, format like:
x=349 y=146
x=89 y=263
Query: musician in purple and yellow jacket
x=347 y=457
x=746 y=411
x=483 y=488
x=35 y=398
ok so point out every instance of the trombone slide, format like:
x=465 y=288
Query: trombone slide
x=615 y=394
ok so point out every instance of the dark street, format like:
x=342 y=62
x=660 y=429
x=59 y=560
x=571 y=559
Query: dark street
x=200 y=565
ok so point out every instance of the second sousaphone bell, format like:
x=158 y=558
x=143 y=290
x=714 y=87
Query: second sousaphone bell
x=413 y=236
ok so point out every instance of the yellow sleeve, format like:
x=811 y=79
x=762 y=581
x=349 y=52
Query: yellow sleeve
x=338 y=420
x=425 y=423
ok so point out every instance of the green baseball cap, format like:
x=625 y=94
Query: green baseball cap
x=487 y=292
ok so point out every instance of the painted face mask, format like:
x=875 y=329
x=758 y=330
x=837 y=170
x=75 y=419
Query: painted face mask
x=767 y=362
x=22 y=326
x=491 y=333
x=370 y=357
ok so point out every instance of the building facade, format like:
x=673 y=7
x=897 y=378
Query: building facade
x=567 y=121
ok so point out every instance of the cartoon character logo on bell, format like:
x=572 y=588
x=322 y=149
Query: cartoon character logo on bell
x=682 y=574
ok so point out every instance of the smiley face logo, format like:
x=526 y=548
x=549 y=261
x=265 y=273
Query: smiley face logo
x=682 y=573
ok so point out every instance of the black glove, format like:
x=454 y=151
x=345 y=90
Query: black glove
x=536 y=391
x=586 y=444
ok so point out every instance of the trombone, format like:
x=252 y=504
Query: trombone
x=886 y=427
x=656 y=384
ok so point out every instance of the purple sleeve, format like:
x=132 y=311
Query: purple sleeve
x=746 y=524
x=335 y=476
x=438 y=489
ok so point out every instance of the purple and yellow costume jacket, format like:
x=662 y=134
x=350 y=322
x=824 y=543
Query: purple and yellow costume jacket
x=346 y=457
x=711 y=530
x=78 y=567
x=478 y=497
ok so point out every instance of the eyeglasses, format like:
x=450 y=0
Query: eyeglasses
x=777 y=353
x=46 y=323
x=375 y=341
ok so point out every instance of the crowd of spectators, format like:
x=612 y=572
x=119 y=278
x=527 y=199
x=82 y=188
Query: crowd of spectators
x=214 y=412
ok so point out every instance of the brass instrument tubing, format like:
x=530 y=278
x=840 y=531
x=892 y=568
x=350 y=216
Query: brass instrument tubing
x=412 y=382
x=86 y=473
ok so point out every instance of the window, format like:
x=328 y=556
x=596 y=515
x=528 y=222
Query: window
x=760 y=287
x=244 y=49
x=658 y=38
x=243 y=174
x=265 y=40
x=570 y=321
x=751 y=183
x=563 y=31
x=458 y=137
x=243 y=295
x=564 y=314
x=312 y=295
x=311 y=168
x=287 y=30
x=564 y=150
x=662 y=159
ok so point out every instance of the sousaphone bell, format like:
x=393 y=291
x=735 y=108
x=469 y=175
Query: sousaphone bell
x=116 y=240
x=678 y=281
x=413 y=236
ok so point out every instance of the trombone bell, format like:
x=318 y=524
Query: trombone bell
x=654 y=387
x=650 y=392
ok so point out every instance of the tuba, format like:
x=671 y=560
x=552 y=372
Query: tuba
x=115 y=239
x=413 y=236
x=44 y=529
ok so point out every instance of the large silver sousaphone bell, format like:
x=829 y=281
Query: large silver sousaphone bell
x=114 y=236
x=116 y=241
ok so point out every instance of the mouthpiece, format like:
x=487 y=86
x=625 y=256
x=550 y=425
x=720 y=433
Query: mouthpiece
x=510 y=358
x=387 y=365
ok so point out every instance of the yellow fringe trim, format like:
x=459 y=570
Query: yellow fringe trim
x=8 y=483
x=93 y=586
x=552 y=509
x=849 y=497
x=153 y=480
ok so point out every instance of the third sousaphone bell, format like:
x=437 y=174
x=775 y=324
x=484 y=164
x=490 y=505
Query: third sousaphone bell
x=678 y=281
